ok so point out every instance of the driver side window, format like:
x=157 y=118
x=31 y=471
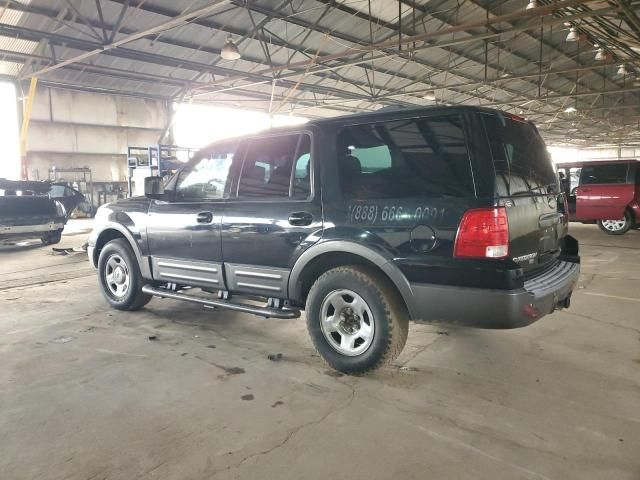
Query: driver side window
x=205 y=178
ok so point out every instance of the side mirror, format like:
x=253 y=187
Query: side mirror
x=153 y=187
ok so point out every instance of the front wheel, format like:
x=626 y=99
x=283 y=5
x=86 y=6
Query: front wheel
x=356 y=319
x=120 y=278
x=616 y=227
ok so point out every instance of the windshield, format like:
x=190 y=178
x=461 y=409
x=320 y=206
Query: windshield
x=520 y=156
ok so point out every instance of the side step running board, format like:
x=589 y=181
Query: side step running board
x=240 y=307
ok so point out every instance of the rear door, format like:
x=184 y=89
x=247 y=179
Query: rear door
x=604 y=192
x=527 y=185
x=273 y=215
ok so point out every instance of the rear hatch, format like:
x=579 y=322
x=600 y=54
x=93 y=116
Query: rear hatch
x=528 y=187
x=18 y=210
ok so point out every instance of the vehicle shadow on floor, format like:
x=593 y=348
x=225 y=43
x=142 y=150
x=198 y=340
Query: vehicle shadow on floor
x=10 y=247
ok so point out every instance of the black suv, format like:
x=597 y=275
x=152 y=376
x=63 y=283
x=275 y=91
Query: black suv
x=444 y=214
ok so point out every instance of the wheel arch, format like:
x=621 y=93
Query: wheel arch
x=113 y=231
x=327 y=255
x=634 y=210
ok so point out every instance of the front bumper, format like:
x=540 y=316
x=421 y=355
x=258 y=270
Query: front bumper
x=91 y=249
x=487 y=308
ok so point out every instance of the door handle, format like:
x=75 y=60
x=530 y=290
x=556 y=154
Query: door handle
x=204 y=217
x=300 y=219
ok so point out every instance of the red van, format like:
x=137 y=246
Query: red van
x=603 y=191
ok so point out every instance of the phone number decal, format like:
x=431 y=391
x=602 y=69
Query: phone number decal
x=392 y=213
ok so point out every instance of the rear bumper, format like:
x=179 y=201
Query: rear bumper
x=486 y=308
x=28 y=231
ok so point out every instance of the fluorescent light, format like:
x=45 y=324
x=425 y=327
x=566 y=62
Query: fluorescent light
x=570 y=110
x=230 y=50
x=573 y=35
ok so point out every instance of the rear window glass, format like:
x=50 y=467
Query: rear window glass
x=405 y=158
x=613 y=173
x=520 y=156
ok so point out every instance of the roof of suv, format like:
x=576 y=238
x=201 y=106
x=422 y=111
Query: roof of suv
x=398 y=112
x=387 y=113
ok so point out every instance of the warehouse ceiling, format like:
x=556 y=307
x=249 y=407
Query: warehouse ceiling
x=571 y=66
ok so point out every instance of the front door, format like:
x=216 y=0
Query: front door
x=274 y=217
x=183 y=231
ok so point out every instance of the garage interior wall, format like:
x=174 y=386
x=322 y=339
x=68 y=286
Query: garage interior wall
x=609 y=152
x=71 y=129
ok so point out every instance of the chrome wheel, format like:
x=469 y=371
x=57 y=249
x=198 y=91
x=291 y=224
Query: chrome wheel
x=346 y=322
x=613 y=225
x=116 y=274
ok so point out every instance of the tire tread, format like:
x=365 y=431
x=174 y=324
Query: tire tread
x=394 y=309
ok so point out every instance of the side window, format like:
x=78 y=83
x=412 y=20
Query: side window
x=602 y=174
x=574 y=179
x=57 y=191
x=205 y=177
x=372 y=159
x=269 y=170
x=302 y=169
x=405 y=158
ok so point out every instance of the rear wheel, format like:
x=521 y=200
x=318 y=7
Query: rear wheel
x=120 y=278
x=617 y=227
x=356 y=319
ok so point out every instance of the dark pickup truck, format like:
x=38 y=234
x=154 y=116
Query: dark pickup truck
x=446 y=214
x=28 y=211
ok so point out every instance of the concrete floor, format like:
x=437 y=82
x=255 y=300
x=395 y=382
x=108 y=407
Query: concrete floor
x=85 y=394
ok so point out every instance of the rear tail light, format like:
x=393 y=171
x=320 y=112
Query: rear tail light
x=483 y=233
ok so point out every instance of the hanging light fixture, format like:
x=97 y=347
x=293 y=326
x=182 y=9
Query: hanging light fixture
x=570 y=110
x=430 y=95
x=622 y=71
x=573 y=35
x=532 y=4
x=601 y=55
x=230 y=50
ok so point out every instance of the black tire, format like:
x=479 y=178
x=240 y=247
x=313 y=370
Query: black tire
x=624 y=228
x=51 y=238
x=390 y=318
x=118 y=252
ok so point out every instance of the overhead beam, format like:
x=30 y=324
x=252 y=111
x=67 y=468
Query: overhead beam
x=315 y=72
x=122 y=52
x=134 y=36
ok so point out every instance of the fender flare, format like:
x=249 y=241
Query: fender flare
x=294 y=288
x=143 y=261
